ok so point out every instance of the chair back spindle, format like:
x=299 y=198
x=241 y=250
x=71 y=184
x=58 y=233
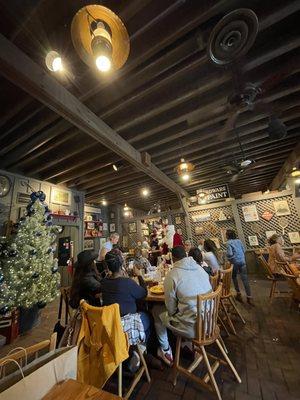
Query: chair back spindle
x=226 y=275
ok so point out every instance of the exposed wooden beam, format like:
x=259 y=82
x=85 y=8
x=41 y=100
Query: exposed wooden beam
x=20 y=69
x=282 y=174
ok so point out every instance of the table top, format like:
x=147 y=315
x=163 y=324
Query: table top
x=74 y=390
x=159 y=298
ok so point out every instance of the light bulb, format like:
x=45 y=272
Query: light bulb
x=145 y=192
x=115 y=167
x=104 y=202
x=297 y=180
x=57 y=64
x=103 y=63
x=126 y=208
x=185 y=177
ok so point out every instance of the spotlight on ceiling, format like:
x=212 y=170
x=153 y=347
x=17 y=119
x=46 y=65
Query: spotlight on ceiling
x=295 y=172
x=118 y=165
x=100 y=38
x=145 y=192
x=246 y=163
x=104 y=202
x=53 y=61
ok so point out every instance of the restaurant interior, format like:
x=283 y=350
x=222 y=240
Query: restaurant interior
x=149 y=200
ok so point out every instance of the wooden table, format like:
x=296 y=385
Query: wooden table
x=73 y=390
x=158 y=298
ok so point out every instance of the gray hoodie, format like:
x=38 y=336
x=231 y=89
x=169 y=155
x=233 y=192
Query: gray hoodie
x=183 y=283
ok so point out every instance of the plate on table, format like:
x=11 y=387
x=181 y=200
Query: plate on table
x=157 y=289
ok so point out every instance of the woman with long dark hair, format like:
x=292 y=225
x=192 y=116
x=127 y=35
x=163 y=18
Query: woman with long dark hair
x=211 y=255
x=86 y=280
x=196 y=254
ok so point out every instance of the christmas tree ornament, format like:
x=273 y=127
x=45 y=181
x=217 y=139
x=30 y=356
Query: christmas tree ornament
x=4 y=310
x=35 y=275
x=34 y=196
x=12 y=253
x=50 y=250
x=1 y=278
x=32 y=252
x=54 y=270
x=38 y=234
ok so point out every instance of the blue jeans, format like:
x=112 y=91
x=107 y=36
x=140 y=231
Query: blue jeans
x=146 y=322
x=242 y=270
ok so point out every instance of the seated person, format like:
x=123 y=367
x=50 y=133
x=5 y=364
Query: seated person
x=187 y=246
x=197 y=256
x=210 y=255
x=86 y=281
x=182 y=285
x=276 y=252
x=122 y=290
x=139 y=261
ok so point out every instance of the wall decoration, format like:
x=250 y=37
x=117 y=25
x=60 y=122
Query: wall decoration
x=267 y=215
x=253 y=241
x=105 y=226
x=212 y=228
x=177 y=220
x=201 y=217
x=90 y=225
x=250 y=213
x=88 y=244
x=112 y=227
x=60 y=196
x=125 y=241
x=283 y=223
x=5 y=185
x=222 y=216
x=132 y=227
x=294 y=237
x=214 y=194
x=281 y=208
x=112 y=215
x=22 y=212
x=270 y=233
x=199 y=230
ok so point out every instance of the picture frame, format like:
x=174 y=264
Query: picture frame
x=177 y=220
x=270 y=233
x=253 y=240
x=250 y=213
x=112 y=215
x=281 y=208
x=105 y=226
x=60 y=196
x=199 y=230
x=88 y=244
x=294 y=237
x=112 y=227
x=132 y=227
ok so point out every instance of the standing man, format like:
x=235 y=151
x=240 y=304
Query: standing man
x=108 y=246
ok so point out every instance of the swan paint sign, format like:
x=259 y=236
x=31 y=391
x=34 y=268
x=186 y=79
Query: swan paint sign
x=214 y=194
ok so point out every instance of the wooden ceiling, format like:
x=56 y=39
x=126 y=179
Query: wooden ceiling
x=169 y=99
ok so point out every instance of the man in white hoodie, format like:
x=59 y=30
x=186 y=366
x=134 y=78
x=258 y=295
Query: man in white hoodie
x=182 y=285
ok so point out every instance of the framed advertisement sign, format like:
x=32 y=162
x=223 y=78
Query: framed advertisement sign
x=250 y=213
x=213 y=194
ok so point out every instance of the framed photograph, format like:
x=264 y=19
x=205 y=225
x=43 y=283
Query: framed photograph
x=105 y=226
x=177 y=220
x=60 y=196
x=199 y=230
x=270 y=233
x=253 y=241
x=281 y=208
x=201 y=217
x=90 y=225
x=112 y=227
x=250 y=213
x=88 y=244
x=294 y=237
x=132 y=227
x=112 y=215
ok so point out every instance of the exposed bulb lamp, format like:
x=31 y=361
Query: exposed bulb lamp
x=53 y=61
x=145 y=192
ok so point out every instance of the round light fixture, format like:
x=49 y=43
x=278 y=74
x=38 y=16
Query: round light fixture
x=185 y=177
x=115 y=167
x=118 y=165
x=145 y=192
x=184 y=168
x=104 y=202
x=53 y=61
x=100 y=37
x=297 y=181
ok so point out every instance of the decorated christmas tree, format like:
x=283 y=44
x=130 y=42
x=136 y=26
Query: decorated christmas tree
x=28 y=270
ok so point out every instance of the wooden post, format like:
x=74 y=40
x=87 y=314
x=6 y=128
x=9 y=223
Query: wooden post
x=183 y=202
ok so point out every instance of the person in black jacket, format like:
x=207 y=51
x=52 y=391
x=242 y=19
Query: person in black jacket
x=86 y=280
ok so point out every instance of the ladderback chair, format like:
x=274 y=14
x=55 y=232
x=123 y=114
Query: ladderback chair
x=270 y=275
x=214 y=280
x=227 y=300
x=207 y=333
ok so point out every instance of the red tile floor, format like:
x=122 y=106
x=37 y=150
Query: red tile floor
x=266 y=353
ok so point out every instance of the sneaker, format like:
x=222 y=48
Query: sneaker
x=239 y=298
x=165 y=356
x=134 y=362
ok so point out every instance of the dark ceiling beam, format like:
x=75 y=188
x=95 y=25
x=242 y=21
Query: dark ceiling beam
x=286 y=169
x=20 y=69
x=116 y=178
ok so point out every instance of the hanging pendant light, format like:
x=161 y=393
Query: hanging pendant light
x=184 y=168
x=100 y=38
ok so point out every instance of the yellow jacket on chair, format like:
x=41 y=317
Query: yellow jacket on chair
x=102 y=344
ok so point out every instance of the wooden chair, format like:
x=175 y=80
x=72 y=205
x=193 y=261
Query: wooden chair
x=214 y=280
x=227 y=301
x=207 y=333
x=21 y=355
x=274 y=279
x=288 y=272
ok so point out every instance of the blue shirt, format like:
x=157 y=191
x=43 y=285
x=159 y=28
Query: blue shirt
x=235 y=251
